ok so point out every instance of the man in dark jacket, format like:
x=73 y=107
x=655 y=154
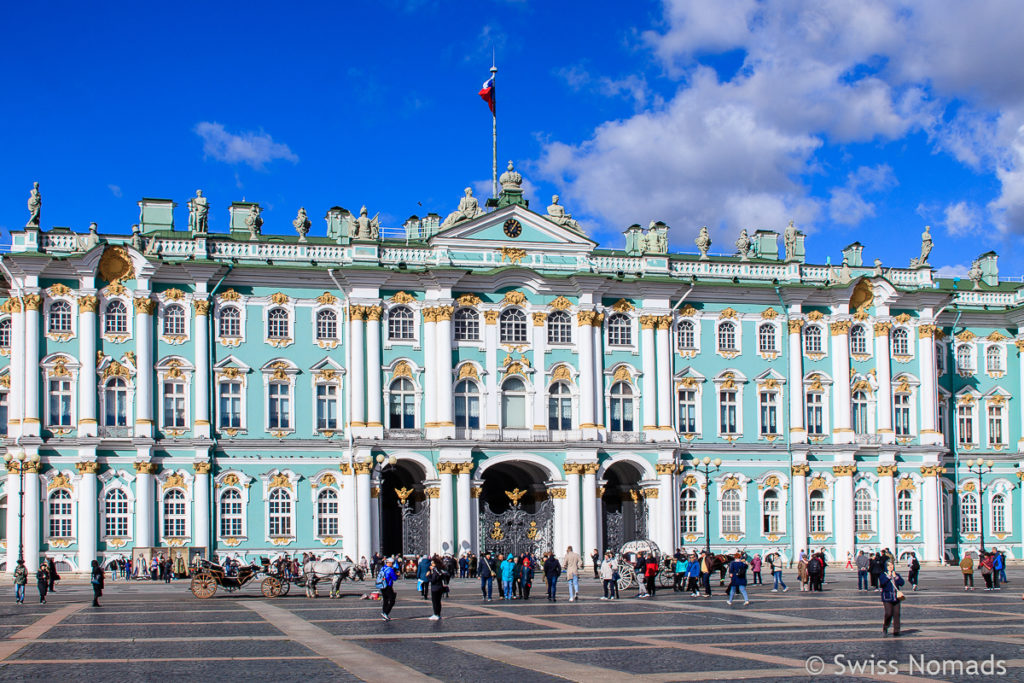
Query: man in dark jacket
x=815 y=567
x=890 y=581
x=422 y=569
x=552 y=570
x=876 y=566
x=486 y=571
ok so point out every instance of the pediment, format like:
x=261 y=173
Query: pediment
x=488 y=231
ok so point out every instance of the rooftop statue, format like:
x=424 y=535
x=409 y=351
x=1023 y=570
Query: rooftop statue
x=657 y=238
x=469 y=208
x=975 y=274
x=198 y=213
x=703 y=243
x=367 y=228
x=789 y=240
x=743 y=245
x=556 y=214
x=301 y=224
x=136 y=239
x=35 y=205
x=254 y=222
x=926 y=246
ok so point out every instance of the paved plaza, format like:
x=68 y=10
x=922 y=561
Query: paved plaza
x=153 y=631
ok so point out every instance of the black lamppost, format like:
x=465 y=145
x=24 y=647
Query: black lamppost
x=22 y=466
x=979 y=466
x=706 y=466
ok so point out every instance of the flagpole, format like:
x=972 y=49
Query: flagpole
x=494 y=135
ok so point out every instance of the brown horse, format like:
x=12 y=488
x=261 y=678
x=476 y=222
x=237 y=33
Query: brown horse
x=718 y=563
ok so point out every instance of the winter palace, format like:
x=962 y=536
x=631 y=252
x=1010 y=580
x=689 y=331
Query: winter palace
x=494 y=380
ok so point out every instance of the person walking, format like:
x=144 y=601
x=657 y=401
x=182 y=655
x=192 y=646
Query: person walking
x=20 y=581
x=913 y=568
x=640 y=569
x=437 y=578
x=552 y=570
x=508 y=570
x=967 y=568
x=986 y=569
x=651 y=575
x=755 y=566
x=53 y=577
x=681 y=565
x=96 y=579
x=738 y=579
x=422 y=569
x=876 y=566
x=1002 y=565
x=815 y=569
x=997 y=568
x=775 y=567
x=486 y=571
x=863 y=562
x=43 y=581
x=890 y=582
x=386 y=578
x=692 y=574
x=573 y=565
x=595 y=557
x=705 y=573
x=609 y=576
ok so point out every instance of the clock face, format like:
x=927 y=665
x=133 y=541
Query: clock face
x=513 y=228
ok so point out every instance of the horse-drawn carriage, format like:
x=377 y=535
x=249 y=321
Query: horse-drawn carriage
x=627 y=556
x=207 y=577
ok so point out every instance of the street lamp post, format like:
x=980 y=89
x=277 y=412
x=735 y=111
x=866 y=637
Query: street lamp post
x=705 y=466
x=979 y=466
x=23 y=466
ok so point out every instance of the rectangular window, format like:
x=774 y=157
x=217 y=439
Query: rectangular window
x=901 y=414
x=687 y=411
x=815 y=413
x=904 y=512
x=230 y=405
x=942 y=420
x=174 y=405
x=279 y=412
x=3 y=413
x=60 y=403
x=965 y=424
x=817 y=510
x=996 y=437
x=769 y=412
x=728 y=417
x=327 y=406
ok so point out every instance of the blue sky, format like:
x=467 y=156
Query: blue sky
x=860 y=121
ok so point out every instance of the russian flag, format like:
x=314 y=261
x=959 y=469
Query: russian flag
x=487 y=94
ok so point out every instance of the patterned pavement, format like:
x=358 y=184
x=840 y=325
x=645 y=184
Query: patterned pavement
x=149 y=632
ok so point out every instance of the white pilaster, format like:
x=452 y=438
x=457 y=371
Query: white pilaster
x=374 y=393
x=374 y=517
x=930 y=514
x=843 y=505
x=663 y=363
x=799 y=504
x=144 y=370
x=883 y=374
x=589 y=496
x=433 y=491
x=87 y=395
x=16 y=409
x=540 y=383
x=357 y=411
x=201 y=502
x=145 y=501
x=667 y=538
x=797 y=430
x=572 y=504
x=88 y=516
x=444 y=378
x=13 y=510
x=447 y=505
x=585 y=344
x=558 y=496
x=202 y=379
x=431 y=374
x=32 y=526
x=649 y=398
x=842 y=409
x=349 y=513
x=491 y=400
x=598 y=370
x=30 y=413
x=464 y=502
x=474 y=515
x=887 y=506
x=363 y=514
x=928 y=397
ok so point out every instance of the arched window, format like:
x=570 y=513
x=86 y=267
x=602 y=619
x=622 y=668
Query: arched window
x=904 y=511
x=731 y=513
x=175 y=415
x=860 y=412
x=115 y=403
x=467 y=405
x=559 y=407
x=863 y=512
x=231 y=322
x=969 y=513
x=400 y=323
x=812 y=339
x=174 y=321
x=115 y=318
x=279 y=513
x=559 y=328
x=815 y=413
x=901 y=414
x=277 y=323
x=688 y=511
x=727 y=337
x=859 y=340
x=60 y=514
x=620 y=330
x=513 y=404
x=402 y=405
x=326 y=324
x=998 y=514
x=512 y=326
x=900 y=342
x=771 y=512
x=816 y=505
x=231 y=513
x=993 y=359
x=622 y=408
x=115 y=514
x=60 y=317
x=467 y=325
x=5 y=333
x=686 y=340
x=964 y=361
x=327 y=522
x=174 y=514
x=766 y=338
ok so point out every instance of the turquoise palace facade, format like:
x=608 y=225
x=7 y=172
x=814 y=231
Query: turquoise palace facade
x=496 y=381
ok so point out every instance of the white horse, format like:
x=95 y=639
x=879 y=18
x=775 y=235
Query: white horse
x=330 y=568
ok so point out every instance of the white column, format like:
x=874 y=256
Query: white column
x=433 y=491
x=145 y=500
x=465 y=506
x=930 y=514
x=558 y=494
x=883 y=374
x=928 y=398
x=30 y=413
x=32 y=527
x=799 y=504
x=649 y=397
x=444 y=378
x=202 y=383
x=585 y=345
x=841 y=408
x=349 y=513
x=598 y=370
x=201 y=504
x=374 y=517
x=572 y=504
x=843 y=507
x=430 y=371
x=589 y=495
x=663 y=363
x=491 y=362
x=87 y=396
x=887 y=506
x=668 y=538
x=16 y=409
x=798 y=432
x=13 y=509
x=540 y=383
x=144 y=369
x=374 y=393
x=363 y=513
x=357 y=411
x=474 y=516
x=88 y=517
x=447 y=505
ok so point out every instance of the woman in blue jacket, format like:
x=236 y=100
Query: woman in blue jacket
x=508 y=570
x=889 y=582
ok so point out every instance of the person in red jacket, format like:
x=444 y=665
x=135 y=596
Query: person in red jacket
x=650 y=574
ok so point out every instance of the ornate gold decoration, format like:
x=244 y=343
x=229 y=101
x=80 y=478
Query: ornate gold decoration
x=662 y=322
x=60 y=367
x=906 y=484
x=887 y=470
x=87 y=467
x=280 y=480
x=730 y=380
x=362 y=467
x=201 y=306
x=769 y=314
x=467 y=370
x=33 y=302
x=584 y=318
x=345 y=468
x=815 y=316
x=795 y=325
x=664 y=468
x=116 y=264
x=687 y=383
x=145 y=467
x=623 y=306
x=731 y=483
x=903 y=318
x=327 y=299
x=648 y=322
x=903 y=387
x=562 y=372
x=539 y=318
x=817 y=483
x=468 y=300
x=279 y=298
x=863 y=296
x=496 y=533
x=281 y=540
x=840 y=327
x=230 y=295
x=966 y=336
x=446 y=467
x=996 y=399
x=402 y=298
x=328 y=480
x=927 y=331
x=572 y=468
x=490 y=317
x=687 y=311
x=173 y=294
x=932 y=470
x=475 y=491
x=115 y=369
x=844 y=470
x=512 y=254
x=560 y=303
x=443 y=313
x=513 y=298
x=514 y=495
x=172 y=481
x=326 y=375
x=144 y=305
x=770 y=481
x=690 y=480
x=201 y=467
x=557 y=493
x=374 y=312
x=402 y=369
x=60 y=481
x=622 y=374
x=59 y=289
x=728 y=313
x=12 y=305
x=996 y=336
x=432 y=492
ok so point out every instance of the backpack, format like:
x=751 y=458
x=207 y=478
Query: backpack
x=915 y=565
x=814 y=566
x=381 y=581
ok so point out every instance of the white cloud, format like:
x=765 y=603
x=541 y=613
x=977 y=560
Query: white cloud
x=248 y=147
x=962 y=219
x=847 y=205
x=114 y=190
x=959 y=270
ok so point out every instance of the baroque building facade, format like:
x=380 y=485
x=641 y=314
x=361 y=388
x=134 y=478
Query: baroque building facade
x=495 y=381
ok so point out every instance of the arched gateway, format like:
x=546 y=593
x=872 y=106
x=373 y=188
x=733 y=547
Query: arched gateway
x=404 y=510
x=516 y=513
x=624 y=507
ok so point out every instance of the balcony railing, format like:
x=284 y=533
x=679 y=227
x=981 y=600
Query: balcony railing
x=115 y=432
x=403 y=433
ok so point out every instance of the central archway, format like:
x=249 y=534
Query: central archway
x=404 y=510
x=516 y=514
x=624 y=509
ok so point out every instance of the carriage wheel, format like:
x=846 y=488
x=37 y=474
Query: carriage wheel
x=666 y=579
x=271 y=587
x=626 y=577
x=203 y=585
x=285 y=587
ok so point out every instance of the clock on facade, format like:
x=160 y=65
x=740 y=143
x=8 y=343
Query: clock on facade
x=513 y=228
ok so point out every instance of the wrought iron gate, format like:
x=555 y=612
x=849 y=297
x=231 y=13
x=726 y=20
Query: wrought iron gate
x=620 y=527
x=517 y=531
x=612 y=529
x=415 y=523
